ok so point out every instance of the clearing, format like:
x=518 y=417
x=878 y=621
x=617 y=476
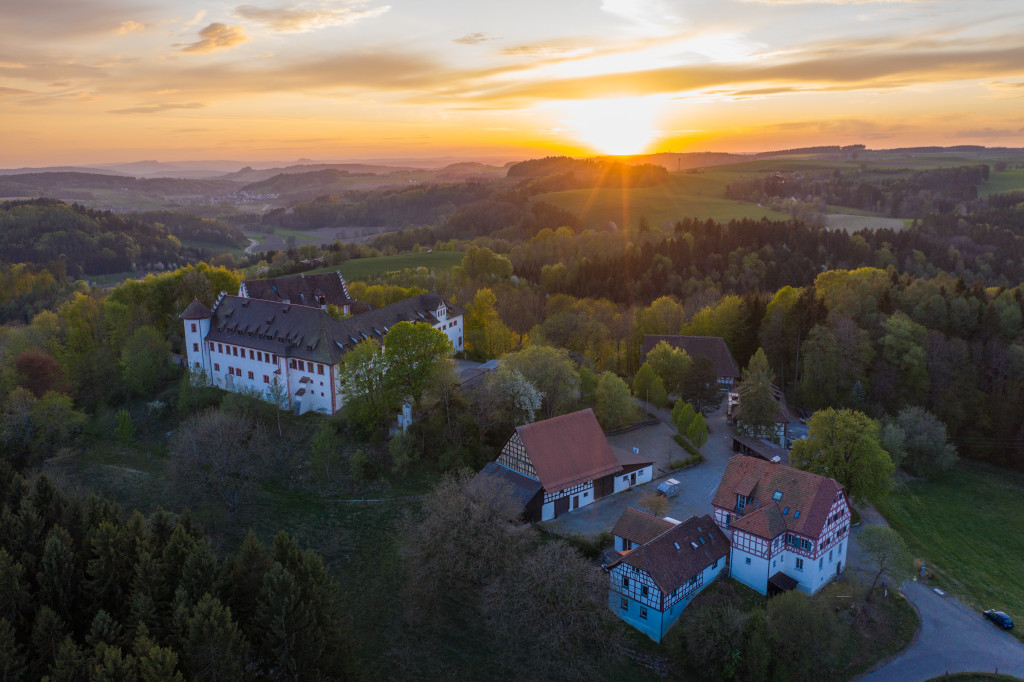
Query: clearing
x=365 y=268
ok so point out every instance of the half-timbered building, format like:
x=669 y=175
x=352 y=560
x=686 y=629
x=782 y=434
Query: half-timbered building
x=789 y=528
x=711 y=347
x=571 y=460
x=650 y=585
x=635 y=528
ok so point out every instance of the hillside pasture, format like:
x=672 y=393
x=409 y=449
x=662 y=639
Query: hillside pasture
x=968 y=527
x=366 y=268
x=1003 y=181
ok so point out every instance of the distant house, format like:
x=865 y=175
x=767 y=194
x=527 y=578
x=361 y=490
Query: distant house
x=651 y=584
x=755 y=447
x=318 y=290
x=711 y=347
x=783 y=418
x=789 y=528
x=567 y=463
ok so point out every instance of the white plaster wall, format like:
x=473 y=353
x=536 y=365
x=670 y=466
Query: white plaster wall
x=644 y=475
x=754 y=576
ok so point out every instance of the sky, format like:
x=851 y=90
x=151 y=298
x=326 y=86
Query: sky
x=101 y=81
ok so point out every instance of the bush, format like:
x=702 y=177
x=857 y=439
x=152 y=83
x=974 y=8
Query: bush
x=681 y=463
x=686 y=445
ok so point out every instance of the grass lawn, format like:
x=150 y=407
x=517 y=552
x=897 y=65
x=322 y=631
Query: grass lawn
x=213 y=248
x=968 y=526
x=365 y=268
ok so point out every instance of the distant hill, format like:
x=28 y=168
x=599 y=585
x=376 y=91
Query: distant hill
x=77 y=186
x=88 y=242
x=255 y=175
x=59 y=169
x=286 y=183
x=580 y=173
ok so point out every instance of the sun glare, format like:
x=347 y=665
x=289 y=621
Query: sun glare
x=613 y=126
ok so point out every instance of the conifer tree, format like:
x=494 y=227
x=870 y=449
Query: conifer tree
x=697 y=431
x=12 y=658
x=244 y=577
x=48 y=632
x=15 y=599
x=58 y=579
x=212 y=647
x=70 y=664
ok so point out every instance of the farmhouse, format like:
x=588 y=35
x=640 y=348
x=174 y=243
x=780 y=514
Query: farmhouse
x=711 y=347
x=249 y=344
x=321 y=289
x=564 y=463
x=651 y=584
x=783 y=419
x=789 y=528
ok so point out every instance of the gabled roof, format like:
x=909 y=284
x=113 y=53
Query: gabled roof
x=300 y=289
x=680 y=553
x=523 y=488
x=567 y=450
x=759 y=448
x=639 y=528
x=307 y=332
x=196 y=311
x=809 y=494
x=711 y=347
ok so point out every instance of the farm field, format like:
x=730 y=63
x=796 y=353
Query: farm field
x=968 y=526
x=363 y=268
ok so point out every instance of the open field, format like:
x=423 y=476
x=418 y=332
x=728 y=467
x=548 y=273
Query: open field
x=363 y=268
x=323 y=235
x=853 y=223
x=216 y=249
x=1003 y=181
x=968 y=526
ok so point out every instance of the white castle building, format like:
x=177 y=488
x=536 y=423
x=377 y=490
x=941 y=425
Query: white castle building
x=250 y=343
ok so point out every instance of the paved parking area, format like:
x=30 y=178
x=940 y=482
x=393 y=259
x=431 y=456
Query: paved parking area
x=697 y=484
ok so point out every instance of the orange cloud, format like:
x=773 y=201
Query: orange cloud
x=305 y=19
x=130 y=26
x=216 y=37
x=157 y=108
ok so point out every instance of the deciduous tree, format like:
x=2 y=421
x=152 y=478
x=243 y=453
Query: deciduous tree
x=887 y=552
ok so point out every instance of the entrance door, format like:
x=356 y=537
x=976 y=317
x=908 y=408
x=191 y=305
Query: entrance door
x=561 y=506
x=575 y=501
x=632 y=478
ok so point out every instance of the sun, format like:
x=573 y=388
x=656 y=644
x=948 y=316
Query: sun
x=618 y=127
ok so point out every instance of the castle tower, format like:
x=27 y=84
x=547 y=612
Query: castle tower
x=197 y=325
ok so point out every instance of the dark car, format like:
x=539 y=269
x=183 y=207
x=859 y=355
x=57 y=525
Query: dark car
x=999 y=618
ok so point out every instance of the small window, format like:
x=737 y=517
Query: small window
x=266 y=379
x=216 y=367
x=785 y=511
x=830 y=555
x=195 y=347
x=624 y=604
x=234 y=351
x=799 y=564
x=193 y=326
x=715 y=565
x=840 y=548
x=211 y=346
x=643 y=591
x=796 y=515
x=250 y=375
x=643 y=613
x=777 y=496
x=625 y=581
x=252 y=355
x=748 y=561
x=220 y=348
x=821 y=563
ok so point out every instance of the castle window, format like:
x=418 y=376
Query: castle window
x=216 y=367
x=266 y=379
x=250 y=375
x=220 y=348
x=252 y=355
x=319 y=369
x=195 y=347
x=193 y=327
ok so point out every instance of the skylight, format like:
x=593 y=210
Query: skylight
x=796 y=515
x=785 y=511
x=676 y=544
x=777 y=496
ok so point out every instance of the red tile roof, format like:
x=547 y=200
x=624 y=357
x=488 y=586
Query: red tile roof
x=639 y=528
x=567 y=450
x=671 y=559
x=810 y=494
x=711 y=347
x=196 y=311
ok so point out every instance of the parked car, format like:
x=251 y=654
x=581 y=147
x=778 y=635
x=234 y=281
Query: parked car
x=999 y=618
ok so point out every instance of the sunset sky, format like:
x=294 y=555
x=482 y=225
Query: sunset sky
x=91 y=81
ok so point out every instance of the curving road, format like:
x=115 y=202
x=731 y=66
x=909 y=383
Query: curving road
x=953 y=637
